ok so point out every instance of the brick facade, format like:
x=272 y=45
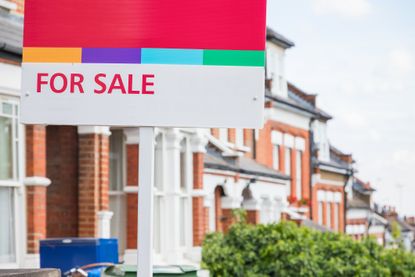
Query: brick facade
x=62 y=169
x=93 y=182
x=132 y=198
x=35 y=194
x=264 y=155
x=199 y=219
x=329 y=205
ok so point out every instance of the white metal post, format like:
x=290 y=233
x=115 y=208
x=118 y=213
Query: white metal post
x=145 y=203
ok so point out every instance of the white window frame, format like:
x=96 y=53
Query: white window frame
x=16 y=182
x=117 y=196
x=185 y=195
x=239 y=137
x=159 y=194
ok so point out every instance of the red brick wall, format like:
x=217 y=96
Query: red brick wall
x=35 y=150
x=36 y=217
x=104 y=167
x=132 y=217
x=199 y=213
x=218 y=209
x=62 y=170
x=215 y=132
x=228 y=219
x=35 y=195
x=232 y=135
x=93 y=182
x=132 y=199
x=252 y=217
x=249 y=142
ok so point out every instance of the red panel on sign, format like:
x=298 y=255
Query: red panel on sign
x=189 y=24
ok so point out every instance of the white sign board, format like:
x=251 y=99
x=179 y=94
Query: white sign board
x=186 y=63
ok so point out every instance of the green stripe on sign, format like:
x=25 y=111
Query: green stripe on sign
x=233 y=57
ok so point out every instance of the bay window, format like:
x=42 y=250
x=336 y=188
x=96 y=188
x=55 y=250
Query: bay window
x=9 y=179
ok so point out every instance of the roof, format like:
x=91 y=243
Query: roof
x=11 y=32
x=215 y=160
x=279 y=39
x=313 y=225
x=362 y=187
x=338 y=160
x=299 y=100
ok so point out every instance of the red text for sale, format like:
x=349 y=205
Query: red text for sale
x=102 y=83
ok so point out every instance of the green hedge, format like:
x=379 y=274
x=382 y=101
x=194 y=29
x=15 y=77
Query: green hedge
x=287 y=250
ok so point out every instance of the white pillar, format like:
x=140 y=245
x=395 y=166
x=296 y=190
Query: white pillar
x=172 y=189
x=104 y=224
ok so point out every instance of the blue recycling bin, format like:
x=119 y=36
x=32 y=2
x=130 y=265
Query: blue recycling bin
x=68 y=253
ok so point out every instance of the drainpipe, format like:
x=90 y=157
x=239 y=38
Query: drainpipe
x=253 y=145
x=311 y=146
x=348 y=176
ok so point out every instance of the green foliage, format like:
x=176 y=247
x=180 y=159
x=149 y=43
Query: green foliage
x=287 y=250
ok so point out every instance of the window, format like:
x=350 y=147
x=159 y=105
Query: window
x=223 y=134
x=299 y=175
x=276 y=156
x=9 y=177
x=320 y=213
x=116 y=187
x=328 y=215
x=117 y=160
x=9 y=134
x=336 y=216
x=7 y=230
x=288 y=161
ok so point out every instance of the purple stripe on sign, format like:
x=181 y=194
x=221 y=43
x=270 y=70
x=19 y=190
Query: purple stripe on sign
x=111 y=55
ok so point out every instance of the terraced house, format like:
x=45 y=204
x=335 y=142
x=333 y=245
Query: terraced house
x=82 y=181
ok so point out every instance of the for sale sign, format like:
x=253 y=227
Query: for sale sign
x=188 y=63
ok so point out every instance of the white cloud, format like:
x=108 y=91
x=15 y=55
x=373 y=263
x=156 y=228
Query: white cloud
x=401 y=61
x=353 y=8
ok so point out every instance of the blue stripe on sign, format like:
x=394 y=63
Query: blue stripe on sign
x=171 y=56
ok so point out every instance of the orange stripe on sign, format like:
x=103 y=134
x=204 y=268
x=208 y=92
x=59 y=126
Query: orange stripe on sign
x=52 y=55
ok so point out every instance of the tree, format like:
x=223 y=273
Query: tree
x=288 y=250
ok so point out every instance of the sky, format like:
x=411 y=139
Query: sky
x=359 y=57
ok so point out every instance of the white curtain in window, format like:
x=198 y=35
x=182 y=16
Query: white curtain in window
x=7 y=230
x=6 y=149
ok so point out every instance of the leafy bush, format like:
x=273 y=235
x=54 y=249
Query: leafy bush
x=285 y=249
